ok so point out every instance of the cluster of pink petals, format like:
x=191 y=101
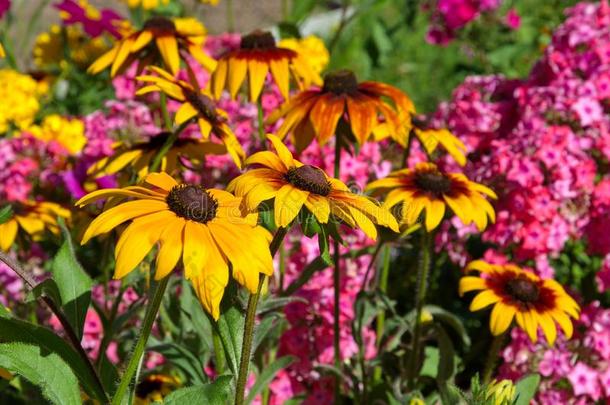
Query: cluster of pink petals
x=94 y=26
x=449 y=16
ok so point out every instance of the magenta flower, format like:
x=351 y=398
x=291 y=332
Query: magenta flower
x=512 y=19
x=4 y=6
x=94 y=22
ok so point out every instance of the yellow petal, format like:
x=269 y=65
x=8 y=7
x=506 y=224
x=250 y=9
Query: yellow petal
x=143 y=39
x=435 y=211
x=470 y=283
x=121 y=56
x=185 y=113
x=171 y=242
x=548 y=326
x=501 y=317
x=196 y=250
x=162 y=180
x=318 y=205
x=8 y=233
x=281 y=75
x=483 y=299
x=236 y=75
x=104 y=61
x=268 y=159
x=257 y=72
x=478 y=265
x=288 y=202
x=219 y=78
x=168 y=47
x=282 y=151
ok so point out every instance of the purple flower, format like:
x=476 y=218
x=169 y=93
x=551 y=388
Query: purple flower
x=94 y=22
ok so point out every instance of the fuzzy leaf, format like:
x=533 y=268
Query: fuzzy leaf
x=215 y=393
x=526 y=389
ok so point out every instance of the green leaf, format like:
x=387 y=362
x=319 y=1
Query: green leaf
x=446 y=363
x=267 y=375
x=46 y=360
x=324 y=246
x=47 y=288
x=4 y=312
x=526 y=389
x=231 y=329
x=73 y=283
x=181 y=358
x=6 y=213
x=215 y=393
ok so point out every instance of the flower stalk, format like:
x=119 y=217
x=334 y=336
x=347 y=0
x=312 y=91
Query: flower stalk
x=246 y=350
x=337 y=280
x=147 y=324
x=492 y=357
x=420 y=297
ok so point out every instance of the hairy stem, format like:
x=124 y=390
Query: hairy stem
x=492 y=357
x=147 y=324
x=420 y=296
x=337 y=281
x=246 y=349
x=169 y=142
x=383 y=287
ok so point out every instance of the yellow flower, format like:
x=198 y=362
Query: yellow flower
x=315 y=113
x=516 y=293
x=501 y=392
x=427 y=187
x=146 y=4
x=196 y=105
x=19 y=99
x=206 y=227
x=154 y=388
x=49 y=47
x=2 y=52
x=311 y=50
x=293 y=185
x=169 y=37
x=68 y=132
x=258 y=55
x=33 y=217
x=211 y=2
x=140 y=155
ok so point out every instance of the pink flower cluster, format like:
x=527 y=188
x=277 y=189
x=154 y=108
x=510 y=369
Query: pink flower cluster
x=27 y=163
x=575 y=371
x=449 y=16
x=540 y=142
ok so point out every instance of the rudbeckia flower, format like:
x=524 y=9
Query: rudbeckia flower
x=141 y=155
x=293 y=185
x=427 y=187
x=195 y=105
x=33 y=217
x=316 y=113
x=154 y=388
x=169 y=36
x=521 y=295
x=204 y=227
x=257 y=56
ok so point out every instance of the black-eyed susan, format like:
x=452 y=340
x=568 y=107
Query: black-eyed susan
x=140 y=155
x=205 y=227
x=521 y=295
x=159 y=39
x=315 y=113
x=33 y=217
x=258 y=55
x=154 y=388
x=293 y=185
x=427 y=187
x=196 y=105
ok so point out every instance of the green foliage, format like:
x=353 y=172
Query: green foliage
x=214 y=393
x=46 y=360
x=6 y=213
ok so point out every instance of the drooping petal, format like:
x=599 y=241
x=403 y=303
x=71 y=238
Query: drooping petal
x=172 y=242
x=168 y=48
x=288 y=202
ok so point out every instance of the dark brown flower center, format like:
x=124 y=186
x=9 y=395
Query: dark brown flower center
x=433 y=182
x=523 y=290
x=160 y=25
x=309 y=178
x=258 y=40
x=148 y=386
x=192 y=202
x=341 y=82
x=203 y=104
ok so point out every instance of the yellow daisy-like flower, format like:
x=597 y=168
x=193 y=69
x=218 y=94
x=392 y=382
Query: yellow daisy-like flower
x=146 y=4
x=169 y=36
x=293 y=185
x=141 y=155
x=311 y=50
x=315 y=113
x=258 y=55
x=195 y=105
x=522 y=295
x=427 y=187
x=154 y=388
x=206 y=227
x=49 y=47
x=33 y=217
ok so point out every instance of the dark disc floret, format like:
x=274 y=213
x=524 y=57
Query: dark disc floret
x=433 y=182
x=192 y=202
x=258 y=40
x=523 y=290
x=340 y=82
x=205 y=106
x=160 y=25
x=309 y=178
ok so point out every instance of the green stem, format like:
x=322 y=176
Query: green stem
x=147 y=324
x=164 y=113
x=169 y=142
x=420 y=296
x=492 y=357
x=246 y=349
x=337 y=281
x=285 y=10
x=383 y=287
x=261 y=119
